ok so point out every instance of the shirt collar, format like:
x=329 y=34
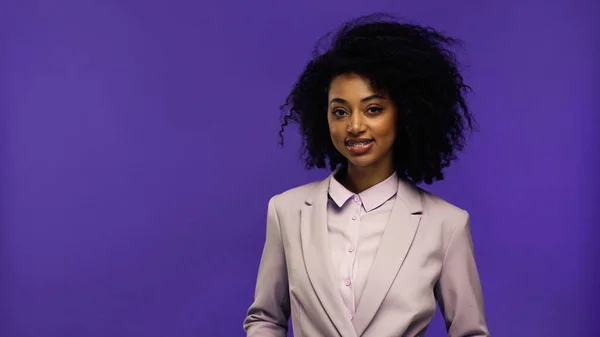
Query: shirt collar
x=371 y=198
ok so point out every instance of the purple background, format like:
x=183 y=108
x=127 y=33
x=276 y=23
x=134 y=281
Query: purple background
x=139 y=150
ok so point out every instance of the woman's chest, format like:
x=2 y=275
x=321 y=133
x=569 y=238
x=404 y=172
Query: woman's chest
x=416 y=277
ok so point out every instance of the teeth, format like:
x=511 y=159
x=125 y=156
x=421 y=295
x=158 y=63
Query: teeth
x=361 y=144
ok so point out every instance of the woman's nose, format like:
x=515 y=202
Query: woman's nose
x=355 y=124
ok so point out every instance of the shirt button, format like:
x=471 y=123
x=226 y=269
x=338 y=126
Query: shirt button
x=347 y=282
x=350 y=317
x=356 y=199
x=354 y=217
x=350 y=249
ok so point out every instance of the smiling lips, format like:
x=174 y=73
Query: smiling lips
x=359 y=145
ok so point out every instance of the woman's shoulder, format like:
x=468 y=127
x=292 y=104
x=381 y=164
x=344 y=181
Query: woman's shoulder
x=443 y=209
x=298 y=195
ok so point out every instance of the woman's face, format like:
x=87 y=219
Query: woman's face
x=362 y=123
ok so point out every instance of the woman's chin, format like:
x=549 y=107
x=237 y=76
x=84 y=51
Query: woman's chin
x=361 y=162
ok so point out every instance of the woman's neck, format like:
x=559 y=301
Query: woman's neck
x=359 y=179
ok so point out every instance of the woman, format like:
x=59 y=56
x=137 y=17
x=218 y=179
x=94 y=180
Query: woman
x=366 y=252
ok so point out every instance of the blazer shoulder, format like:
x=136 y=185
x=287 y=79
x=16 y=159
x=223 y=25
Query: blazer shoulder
x=444 y=210
x=295 y=195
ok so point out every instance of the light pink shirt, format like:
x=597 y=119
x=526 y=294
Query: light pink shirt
x=356 y=223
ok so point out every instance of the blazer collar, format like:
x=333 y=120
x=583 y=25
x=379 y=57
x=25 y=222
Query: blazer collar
x=317 y=258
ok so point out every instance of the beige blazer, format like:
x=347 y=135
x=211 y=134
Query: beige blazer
x=425 y=256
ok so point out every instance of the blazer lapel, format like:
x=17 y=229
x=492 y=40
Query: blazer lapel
x=317 y=258
x=395 y=244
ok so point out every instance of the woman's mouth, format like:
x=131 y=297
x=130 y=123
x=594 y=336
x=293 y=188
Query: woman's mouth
x=359 y=146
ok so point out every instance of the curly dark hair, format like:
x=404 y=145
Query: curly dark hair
x=414 y=67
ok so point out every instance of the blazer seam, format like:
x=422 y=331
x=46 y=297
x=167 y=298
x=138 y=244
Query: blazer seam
x=278 y=222
x=454 y=230
x=282 y=247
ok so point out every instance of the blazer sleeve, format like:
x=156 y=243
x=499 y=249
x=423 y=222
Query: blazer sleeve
x=269 y=313
x=458 y=291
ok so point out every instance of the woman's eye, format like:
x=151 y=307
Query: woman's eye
x=339 y=112
x=374 y=110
